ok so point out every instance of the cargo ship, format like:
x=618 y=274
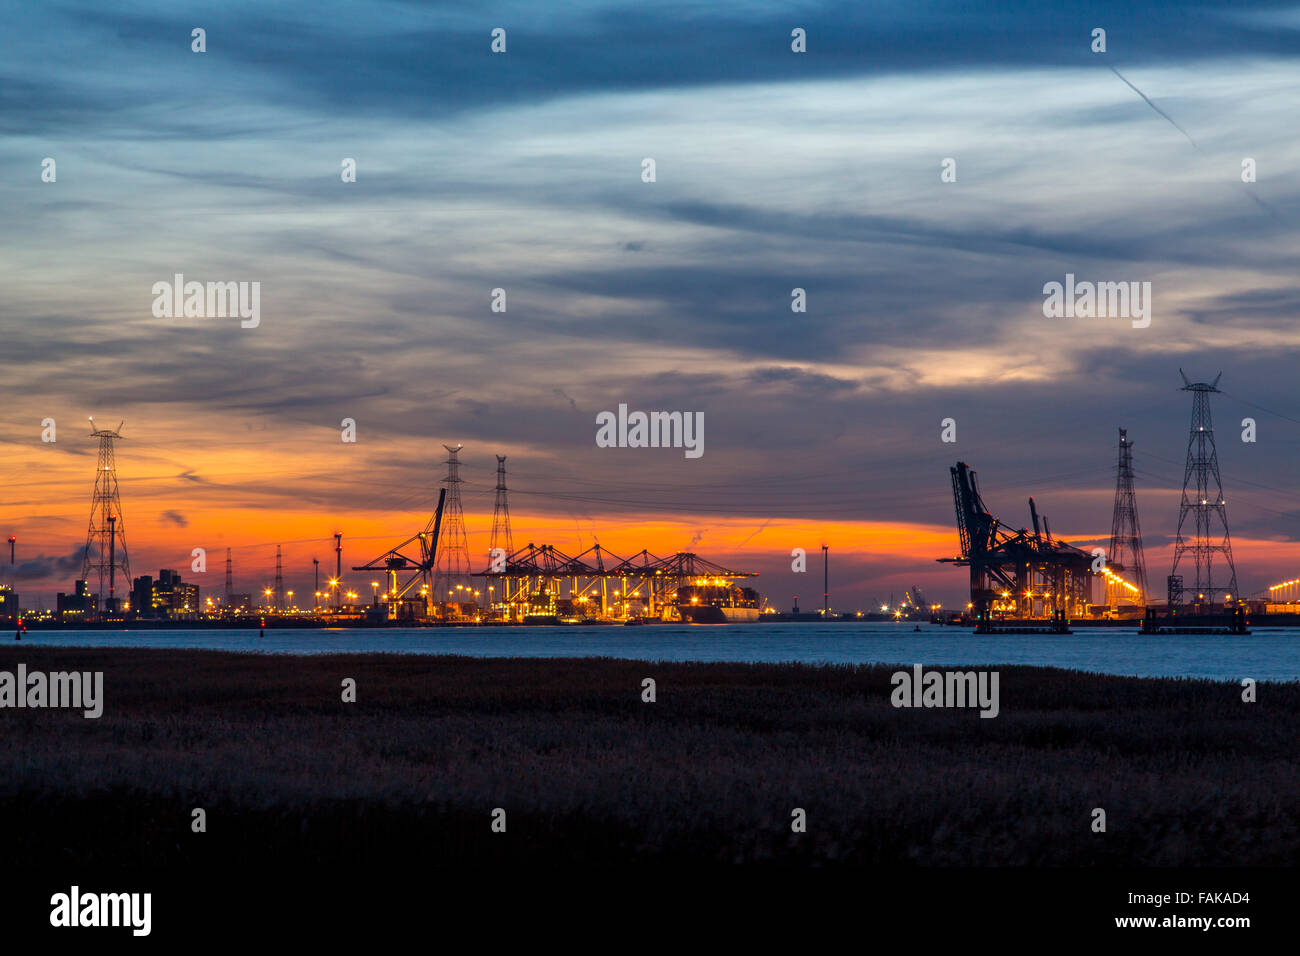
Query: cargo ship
x=718 y=604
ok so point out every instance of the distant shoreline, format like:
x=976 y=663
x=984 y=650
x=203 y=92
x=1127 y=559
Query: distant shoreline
x=1276 y=621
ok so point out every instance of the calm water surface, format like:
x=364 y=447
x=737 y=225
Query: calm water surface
x=1267 y=654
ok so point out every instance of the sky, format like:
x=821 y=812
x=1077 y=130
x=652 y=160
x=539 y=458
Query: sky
x=522 y=171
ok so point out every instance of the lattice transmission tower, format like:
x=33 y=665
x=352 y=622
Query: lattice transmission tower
x=105 y=552
x=1125 y=556
x=1202 y=513
x=503 y=544
x=453 y=566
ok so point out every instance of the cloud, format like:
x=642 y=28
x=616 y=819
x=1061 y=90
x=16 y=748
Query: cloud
x=60 y=567
x=776 y=170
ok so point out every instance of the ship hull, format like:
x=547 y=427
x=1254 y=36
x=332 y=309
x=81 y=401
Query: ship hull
x=712 y=614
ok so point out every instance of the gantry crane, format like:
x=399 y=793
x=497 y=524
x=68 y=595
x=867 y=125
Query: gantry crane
x=404 y=571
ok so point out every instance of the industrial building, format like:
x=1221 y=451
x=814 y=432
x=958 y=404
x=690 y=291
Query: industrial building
x=166 y=597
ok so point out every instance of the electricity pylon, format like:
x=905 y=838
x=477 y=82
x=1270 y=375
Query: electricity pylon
x=502 y=541
x=105 y=552
x=452 y=570
x=1125 y=555
x=1202 y=512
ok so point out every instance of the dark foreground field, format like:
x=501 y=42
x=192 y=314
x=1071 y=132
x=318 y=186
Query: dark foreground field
x=1187 y=773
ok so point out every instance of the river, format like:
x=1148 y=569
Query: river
x=1267 y=654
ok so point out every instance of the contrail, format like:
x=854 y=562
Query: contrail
x=756 y=532
x=1154 y=107
x=1249 y=192
x=1260 y=203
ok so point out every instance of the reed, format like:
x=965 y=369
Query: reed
x=589 y=773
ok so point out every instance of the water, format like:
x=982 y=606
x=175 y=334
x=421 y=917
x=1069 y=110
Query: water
x=1268 y=654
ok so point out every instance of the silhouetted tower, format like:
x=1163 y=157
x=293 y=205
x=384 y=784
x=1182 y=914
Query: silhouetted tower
x=501 y=537
x=453 y=567
x=1125 y=555
x=230 y=579
x=826 y=580
x=105 y=552
x=279 y=579
x=316 y=567
x=1202 y=513
x=338 y=569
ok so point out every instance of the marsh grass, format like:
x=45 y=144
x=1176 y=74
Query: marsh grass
x=588 y=773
